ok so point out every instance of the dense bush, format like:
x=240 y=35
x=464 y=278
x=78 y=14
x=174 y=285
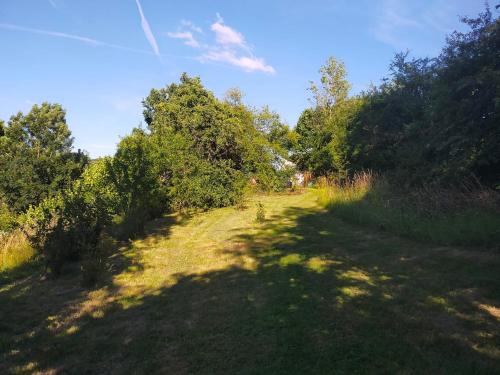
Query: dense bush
x=205 y=150
x=135 y=184
x=433 y=120
x=7 y=218
x=69 y=225
x=197 y=152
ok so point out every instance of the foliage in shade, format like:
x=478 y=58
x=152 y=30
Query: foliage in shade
x=432 y=120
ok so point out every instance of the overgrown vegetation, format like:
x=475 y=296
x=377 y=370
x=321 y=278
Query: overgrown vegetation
x=432 y=121
x=430 y=132
x=197 y=152
x=469 y=215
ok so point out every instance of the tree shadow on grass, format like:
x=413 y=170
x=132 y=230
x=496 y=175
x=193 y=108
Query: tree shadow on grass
x=33 y=306
x=306 y=294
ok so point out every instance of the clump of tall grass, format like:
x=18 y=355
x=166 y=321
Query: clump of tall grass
x=353 y=190
x=15 y=250
x=468 y=214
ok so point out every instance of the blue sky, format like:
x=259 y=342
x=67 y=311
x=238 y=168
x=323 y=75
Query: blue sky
x=100 y=58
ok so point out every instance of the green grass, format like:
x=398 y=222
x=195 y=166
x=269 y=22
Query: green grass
x=471 y=219
x=301 y=292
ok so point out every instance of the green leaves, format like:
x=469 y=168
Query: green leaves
x=36 y=157
x=433 y=120
x=204 y=150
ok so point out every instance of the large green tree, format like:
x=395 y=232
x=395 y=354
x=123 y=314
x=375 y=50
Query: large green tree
x=433 y=120
x=36 y=156
x=322 y=130
x=205 y=148
x=276 y=132
x=437 y=119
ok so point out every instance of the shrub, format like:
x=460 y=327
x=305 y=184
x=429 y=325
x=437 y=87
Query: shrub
x=207 y=185
x=271 y=180
x=260 y=216
x=130 y=225
x=66 y=227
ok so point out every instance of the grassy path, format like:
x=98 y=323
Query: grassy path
x=301 y=293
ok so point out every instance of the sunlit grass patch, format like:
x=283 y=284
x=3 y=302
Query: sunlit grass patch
x=319 y=264
x=492 y=310
x=72 y=330
x=291 y=259
x=15 y=250
x=441 y=302
x=353 y=291
x=356 y=275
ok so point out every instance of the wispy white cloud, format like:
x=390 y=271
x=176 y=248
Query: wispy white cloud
x=440 y=16
x=230 y=46
x=187 y=36
x=398 y=23
x=147 y=30
x=247 y=63
x=53 y=3
x=192 y=26
x=79 y=38
x=227 y=36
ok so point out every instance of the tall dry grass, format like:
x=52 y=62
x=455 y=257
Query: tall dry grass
x=352 y=190
x=15 y=250
x=467 y=214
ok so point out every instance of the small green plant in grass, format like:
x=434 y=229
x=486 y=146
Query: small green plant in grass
x=260 y=216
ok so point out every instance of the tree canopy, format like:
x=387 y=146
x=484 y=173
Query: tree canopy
x=36 y=156
x=433 y=120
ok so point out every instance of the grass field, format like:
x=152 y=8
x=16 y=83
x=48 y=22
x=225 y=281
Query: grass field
x=302 y=292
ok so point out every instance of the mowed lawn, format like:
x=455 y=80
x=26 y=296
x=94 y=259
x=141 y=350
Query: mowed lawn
x=301 y=293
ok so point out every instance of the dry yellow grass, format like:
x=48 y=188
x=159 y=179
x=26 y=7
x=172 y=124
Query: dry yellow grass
x=14 y=250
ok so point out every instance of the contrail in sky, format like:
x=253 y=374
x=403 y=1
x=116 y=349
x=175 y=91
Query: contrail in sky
x=83 y=39
x=147 y=30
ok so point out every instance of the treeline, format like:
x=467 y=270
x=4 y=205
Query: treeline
x=196 y=152
x=434 y=120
